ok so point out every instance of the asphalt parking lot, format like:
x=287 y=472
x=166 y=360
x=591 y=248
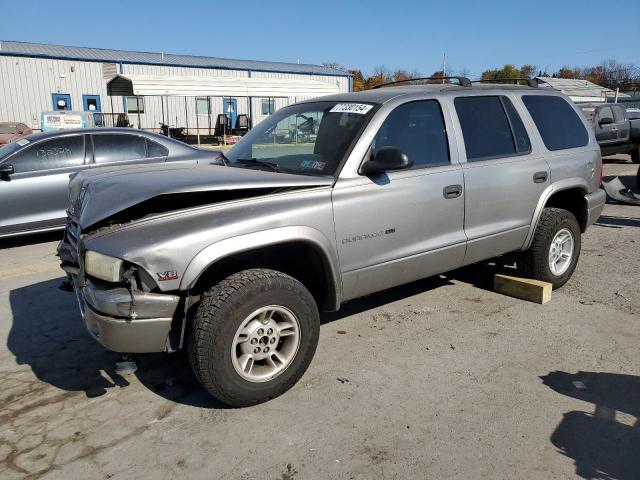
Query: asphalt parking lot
x=438 y=379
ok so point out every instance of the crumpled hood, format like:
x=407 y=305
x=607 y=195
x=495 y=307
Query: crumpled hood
x=97 y=194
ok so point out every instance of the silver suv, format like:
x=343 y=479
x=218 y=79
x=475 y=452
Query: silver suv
x=327 y=200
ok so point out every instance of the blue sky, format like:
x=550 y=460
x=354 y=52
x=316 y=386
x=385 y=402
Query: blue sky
x=475 y=35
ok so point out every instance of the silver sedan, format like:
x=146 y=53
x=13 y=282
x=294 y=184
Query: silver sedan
x=34 y=170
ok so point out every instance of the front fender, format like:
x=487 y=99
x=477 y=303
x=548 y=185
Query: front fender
x=251 y=241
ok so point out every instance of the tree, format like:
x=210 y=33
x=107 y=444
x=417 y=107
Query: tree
x=507 y=71
x=400 y=75
x=435 y=76
x=358 y=80
x=528 y=71
x=380 y=76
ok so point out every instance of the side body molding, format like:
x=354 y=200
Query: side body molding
x=560 y=185
x=251 y=241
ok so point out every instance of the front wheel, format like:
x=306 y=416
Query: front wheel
x=635 y=154
x=555 y=248
x=254 y=335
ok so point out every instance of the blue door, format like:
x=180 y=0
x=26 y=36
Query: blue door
x=61 y=101
x=230 y=106
x=91 y=103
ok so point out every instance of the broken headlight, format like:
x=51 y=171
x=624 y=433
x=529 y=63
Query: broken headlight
x=102 y=266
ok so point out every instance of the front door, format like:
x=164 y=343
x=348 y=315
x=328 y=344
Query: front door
x=503 y=177
x=399 y=226
x=61 y=101
x=231 y=111
x=606 y=128
x=36 y=196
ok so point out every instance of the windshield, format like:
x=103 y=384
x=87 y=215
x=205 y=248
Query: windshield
x=8 y=129
x=305 y=139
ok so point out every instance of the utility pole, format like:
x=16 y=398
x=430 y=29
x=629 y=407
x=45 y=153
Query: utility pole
x=444 y=66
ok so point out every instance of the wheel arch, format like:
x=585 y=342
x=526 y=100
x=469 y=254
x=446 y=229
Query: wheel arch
x=298 y=251
x=568 y=194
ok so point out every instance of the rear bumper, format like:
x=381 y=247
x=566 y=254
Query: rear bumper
x=124 y=321
x=595 y=202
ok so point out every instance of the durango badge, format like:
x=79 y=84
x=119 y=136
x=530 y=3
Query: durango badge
x=168 y=275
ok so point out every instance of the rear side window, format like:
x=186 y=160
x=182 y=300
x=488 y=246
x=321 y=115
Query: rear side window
x=418 y=129
x=491 y=127
x=118 y=148
x=155 y=149
x=559 y=125
x=61 y=152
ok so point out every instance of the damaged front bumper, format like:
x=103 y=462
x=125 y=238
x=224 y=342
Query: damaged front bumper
x=123 y=320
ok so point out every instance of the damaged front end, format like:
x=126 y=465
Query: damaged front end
x=116 y=299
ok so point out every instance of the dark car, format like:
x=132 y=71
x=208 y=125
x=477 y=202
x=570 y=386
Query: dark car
x=34 y=170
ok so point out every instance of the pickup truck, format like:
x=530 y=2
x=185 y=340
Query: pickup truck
x=235 y=261
x=616 y=132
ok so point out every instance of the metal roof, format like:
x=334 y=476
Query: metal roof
x=577 y=88
x=40 y=50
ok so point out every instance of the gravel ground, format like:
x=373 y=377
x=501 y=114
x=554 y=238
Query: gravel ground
x=437 y=379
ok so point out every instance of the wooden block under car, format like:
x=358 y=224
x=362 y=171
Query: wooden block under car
x=523 y=288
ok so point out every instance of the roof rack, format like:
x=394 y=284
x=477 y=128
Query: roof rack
x=532 y=82
x=462 y=81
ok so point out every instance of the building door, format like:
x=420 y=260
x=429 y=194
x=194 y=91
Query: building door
x=230 y=106
x=61 y=101
x=91 y=103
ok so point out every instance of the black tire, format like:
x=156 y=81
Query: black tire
x=635 y=154
x=534 y=262
x=638 y=178
x=220 y=313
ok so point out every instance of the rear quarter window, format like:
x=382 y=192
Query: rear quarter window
x=558 y=123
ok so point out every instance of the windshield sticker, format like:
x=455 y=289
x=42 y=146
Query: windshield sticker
x=22 y=142
x=360 y=108
x=313 y=165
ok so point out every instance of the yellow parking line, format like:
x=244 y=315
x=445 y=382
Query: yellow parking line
x=22 y=271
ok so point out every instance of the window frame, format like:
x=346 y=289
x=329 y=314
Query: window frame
x=369 y=153
x=501 y=98
x=272 y=106
x=10 y=159
x=138 y=100
x=208 y=100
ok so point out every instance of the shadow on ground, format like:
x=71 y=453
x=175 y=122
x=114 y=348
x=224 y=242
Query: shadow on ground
x=47 y=334
x=604 y=444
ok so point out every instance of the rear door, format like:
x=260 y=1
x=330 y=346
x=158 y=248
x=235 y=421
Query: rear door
x=399 y=226
x=503 y=176
x=36 y=195
x=115 y=148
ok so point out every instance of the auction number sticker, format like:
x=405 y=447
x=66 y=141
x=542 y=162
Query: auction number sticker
x=360 y=108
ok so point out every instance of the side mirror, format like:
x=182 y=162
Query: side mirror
x=6 y=169
x=386 y=159
x=605 y=121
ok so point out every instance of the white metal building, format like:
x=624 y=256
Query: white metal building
x=186 y=91
x=579 y=91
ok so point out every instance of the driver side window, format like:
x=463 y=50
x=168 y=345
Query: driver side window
x=418 y=129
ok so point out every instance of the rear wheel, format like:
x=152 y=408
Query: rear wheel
x=555 y=248
x=254 y=335
x=638 y=178
x=635 y=154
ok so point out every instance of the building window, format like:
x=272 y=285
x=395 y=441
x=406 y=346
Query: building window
x=135 y=105
x=203 y=106
x=268 y=106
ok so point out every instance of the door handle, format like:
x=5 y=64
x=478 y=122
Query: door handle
x=540 y=177
x=452 y=191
